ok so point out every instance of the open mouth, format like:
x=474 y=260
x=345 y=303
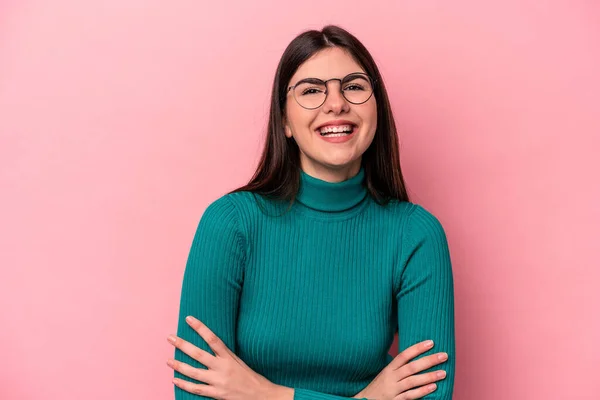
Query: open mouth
x=337 y=131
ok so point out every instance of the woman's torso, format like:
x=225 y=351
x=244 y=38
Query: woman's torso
x=318 y=295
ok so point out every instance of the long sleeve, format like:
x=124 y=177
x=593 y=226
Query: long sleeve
x=212 y=283
x=211 y=289
x=426 y=294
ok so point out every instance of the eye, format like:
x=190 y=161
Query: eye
x=353 y=87
x=313 y=90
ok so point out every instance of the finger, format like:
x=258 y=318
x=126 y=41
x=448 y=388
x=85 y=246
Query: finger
x=213 y=341
x=415 y=381
x=411 y=352
x=196 y=388
x=421 y=364
x=199 y=374
x=417 y=393
x=203 y=357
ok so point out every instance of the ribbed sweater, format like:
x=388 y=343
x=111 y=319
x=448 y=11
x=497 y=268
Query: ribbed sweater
x=310 y=297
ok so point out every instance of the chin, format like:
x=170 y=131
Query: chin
x=339 y=164
x=341 y=160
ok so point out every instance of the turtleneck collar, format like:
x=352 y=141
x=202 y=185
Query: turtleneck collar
x=331 y=196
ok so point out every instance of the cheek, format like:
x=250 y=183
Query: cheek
x=299 y=120
x=369 y=117
x=292 y=117
x=373 y=117
x=373 y=112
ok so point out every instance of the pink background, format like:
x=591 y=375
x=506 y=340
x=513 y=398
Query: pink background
x=121 y=120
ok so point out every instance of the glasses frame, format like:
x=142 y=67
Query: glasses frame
x=341 y=80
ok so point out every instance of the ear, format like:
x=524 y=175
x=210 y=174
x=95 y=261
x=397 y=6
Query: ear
x=286 y=126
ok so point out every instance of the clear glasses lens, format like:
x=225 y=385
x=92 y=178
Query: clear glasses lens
x=356 y=88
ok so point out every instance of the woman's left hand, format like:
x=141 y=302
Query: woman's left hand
x=227 y=376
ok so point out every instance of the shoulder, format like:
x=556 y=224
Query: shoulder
x=221 y=217
x=415 y=221
x=423 y=232
x=229 y=206
x=407 y=213
x=231 y=213
x=422 y=224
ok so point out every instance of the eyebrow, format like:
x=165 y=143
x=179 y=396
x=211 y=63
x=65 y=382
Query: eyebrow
x=309 y=80
x=317 y=80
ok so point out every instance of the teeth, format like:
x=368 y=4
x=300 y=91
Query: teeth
x=335 y=129
x=336 y=134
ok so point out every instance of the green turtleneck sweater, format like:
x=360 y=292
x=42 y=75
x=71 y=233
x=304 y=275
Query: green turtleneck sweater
x=311 y=298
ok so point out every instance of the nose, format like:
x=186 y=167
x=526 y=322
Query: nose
x=335 y=101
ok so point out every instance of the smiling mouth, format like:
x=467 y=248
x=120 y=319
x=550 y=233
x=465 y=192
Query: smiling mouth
x=337 y=131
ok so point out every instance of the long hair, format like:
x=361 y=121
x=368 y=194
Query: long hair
x=277 y=175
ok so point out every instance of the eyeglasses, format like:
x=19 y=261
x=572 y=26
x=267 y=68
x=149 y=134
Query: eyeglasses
x=310 y=93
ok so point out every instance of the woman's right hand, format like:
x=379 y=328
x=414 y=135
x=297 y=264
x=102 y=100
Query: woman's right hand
x=399 y=379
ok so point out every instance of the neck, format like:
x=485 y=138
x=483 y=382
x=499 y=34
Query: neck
x=326 y=196
x=331 y=175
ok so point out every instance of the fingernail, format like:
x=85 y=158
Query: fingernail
x=171 y=339
x=441 y=374
x=431 y=387
x=443 y=356
x=189 y=318
x=428 y=343
x=169 y=363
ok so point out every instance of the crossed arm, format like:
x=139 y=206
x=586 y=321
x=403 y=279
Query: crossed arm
x=214 y=275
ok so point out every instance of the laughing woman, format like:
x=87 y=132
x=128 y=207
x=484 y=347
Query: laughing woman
x=297 y=282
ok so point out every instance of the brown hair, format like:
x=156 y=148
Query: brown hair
x=278 y=172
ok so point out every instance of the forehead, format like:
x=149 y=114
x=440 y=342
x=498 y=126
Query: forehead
x=327 y=63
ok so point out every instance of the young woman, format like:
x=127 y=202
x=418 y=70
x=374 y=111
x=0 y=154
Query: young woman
x=299 y=280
